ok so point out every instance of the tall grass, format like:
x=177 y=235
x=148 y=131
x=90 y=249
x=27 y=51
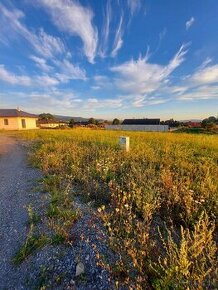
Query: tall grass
x=166 y=180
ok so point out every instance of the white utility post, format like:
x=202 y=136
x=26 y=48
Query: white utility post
x=124 y=143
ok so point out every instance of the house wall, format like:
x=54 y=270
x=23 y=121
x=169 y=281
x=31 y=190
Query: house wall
x=148 y=128
x=52 y=125
x=15 y=123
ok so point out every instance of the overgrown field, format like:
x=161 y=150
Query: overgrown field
x=158 y=201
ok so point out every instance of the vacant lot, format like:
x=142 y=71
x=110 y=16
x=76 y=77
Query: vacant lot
x=158 y=202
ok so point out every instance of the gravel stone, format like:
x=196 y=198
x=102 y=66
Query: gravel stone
x=53 y=266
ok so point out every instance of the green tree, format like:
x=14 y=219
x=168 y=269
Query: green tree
x=116 y=121
x=71 y=123
x=92 y=121
x=212 y=119
x=209 y=123
x=46 y=116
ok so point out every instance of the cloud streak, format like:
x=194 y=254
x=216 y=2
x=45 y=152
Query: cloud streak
x=12 y=27
x=76 y=20
x=189 y=23
x=206 y=75
x=106 y=29
x=134 y=6
x=14 y=79
x=141 y=77
x=118 y=40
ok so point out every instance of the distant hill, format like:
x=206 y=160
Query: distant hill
x=76 y=119
x=67 y=118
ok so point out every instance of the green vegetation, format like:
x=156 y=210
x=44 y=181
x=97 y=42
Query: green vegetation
x=206 y=130
x=158 y=201
x=116 y=121
x=210 y=123
x=46 y=116
x=32 y=243
x=71 y=123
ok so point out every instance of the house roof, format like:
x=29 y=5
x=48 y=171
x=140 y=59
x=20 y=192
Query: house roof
x=141 y=122
x=15 y=113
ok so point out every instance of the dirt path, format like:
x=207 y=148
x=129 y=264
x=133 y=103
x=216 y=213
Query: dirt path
x=16 y=180
x=53 y=266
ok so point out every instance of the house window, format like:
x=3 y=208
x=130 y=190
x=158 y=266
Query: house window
x=5 y=122
x=23 y=122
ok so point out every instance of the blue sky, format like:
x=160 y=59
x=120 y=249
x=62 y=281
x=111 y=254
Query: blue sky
x=110 y=58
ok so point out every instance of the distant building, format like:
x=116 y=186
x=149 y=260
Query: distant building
x=15 y=119
x=152 y=125
x=141 y=122
x=52 y=124
x=191 y=124
x=81 y=123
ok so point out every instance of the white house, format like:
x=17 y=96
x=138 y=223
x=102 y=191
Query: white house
x=15 y=119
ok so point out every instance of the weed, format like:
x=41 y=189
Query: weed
x=191 y=262
x=31 y=244
x=165 y=175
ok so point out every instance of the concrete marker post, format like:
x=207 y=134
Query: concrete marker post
x=124 y=143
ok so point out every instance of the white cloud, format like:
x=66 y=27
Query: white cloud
x=62 y=101
x=94 y=103
x=118 y=41
x=105 y=29
x=13 y=79
x=102 y=82
x=41 y=63
x=69 y=71
x=24 y=80
x=12 y=27
x=134 y=5
x=49 y=48
x=189 y=23
x=46 y=81
x=140 y=76
x=206 y=75
x=71 y=17
x=205 y=63
x=201 y=93
x=48 y=45
x=95 y=87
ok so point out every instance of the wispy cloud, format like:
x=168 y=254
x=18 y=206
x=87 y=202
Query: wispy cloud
x=200 y=93
x=13 y=79
x=43 y=80
x=118 y=41
x=142 y=77
x=102 y=82
x=206 y=75
x=49 y=49
x=69 y=71
x=66 y=72
x=63 y=102
x=73 y=18
x=189 y=23
x=134 y=5
x=142 y=81
x=105 y=29
x=12 y=27
x=41 y=63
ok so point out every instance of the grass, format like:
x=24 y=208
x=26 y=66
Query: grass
x=197 y=131
x=153 y=200
x=31 y=244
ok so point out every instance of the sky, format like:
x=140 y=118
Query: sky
x=110 y=58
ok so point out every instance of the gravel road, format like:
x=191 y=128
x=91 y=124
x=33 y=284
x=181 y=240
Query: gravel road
x=54 y=266
x=16 y=181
